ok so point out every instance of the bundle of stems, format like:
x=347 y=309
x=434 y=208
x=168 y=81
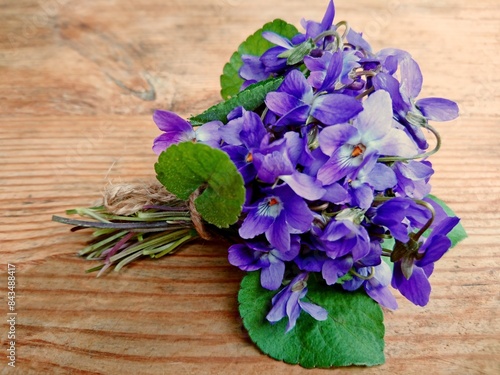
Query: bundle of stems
x=117 y=240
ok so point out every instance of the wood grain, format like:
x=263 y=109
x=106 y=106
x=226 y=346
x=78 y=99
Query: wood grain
x=78 y=83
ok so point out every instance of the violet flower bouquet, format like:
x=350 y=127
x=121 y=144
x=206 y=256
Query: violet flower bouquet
x=316 y=168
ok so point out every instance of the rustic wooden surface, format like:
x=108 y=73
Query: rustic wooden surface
x=78 y=83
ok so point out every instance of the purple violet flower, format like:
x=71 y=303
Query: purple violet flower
x=412 y=271
x=410 y=113
x=295 y=101
x=310 y=259
x=333 y=269
x=288 y=302
x=412 y=178
x=401 y=216
x=272 y=59
x=325 y=70
x=253 y=256
x=252 y=70
x=344 y=235
x=274 y=161
x=244 y=135
x=361 y=189
x=278 y=215
x=176 y=129
x=376 y=284
x=313 y=28
x=351 y=147
x=356 y=39
x=331 y=69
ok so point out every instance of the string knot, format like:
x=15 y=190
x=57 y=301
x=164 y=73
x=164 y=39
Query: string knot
x=129 y=198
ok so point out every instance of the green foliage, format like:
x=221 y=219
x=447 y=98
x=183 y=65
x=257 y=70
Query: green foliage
x=353 y=334
x=185 y=167
x=250 y=98
x=254 y=45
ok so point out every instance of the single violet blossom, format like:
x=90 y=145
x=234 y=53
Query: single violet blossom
x=314 y=29
x=244 y=135
x=375 y=282
x=401 y=216
x=371 y=135
x=278 y=161
x=325 y=70
x=437 y=109
x=410 y=113
x=333 y=269
x=279 y=214
x=412 y=178
x=288 y=302
x=271 y=60
x=176 y=129
x=253 y=256
x=331 y=69
x=252 y=70
x=361 y=190
x=414 y=285
x=344 y=235
x=275 y=59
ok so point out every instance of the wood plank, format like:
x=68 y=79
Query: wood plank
x=78 y=84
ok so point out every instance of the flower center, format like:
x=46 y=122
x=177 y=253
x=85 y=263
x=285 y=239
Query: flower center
x=249 y=158
x=273 y=202
x=271 y=206
x=358 y=150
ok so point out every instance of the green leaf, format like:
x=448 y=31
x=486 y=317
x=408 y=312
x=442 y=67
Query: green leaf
x=353 y=334
x=185 y=167
x=254 y=45
x=458 y=233
x=250 y=98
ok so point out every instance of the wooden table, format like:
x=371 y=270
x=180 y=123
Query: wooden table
x=78 y=84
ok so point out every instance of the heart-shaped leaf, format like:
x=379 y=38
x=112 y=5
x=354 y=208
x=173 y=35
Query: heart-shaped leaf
x=185 y=167
x=353 y=334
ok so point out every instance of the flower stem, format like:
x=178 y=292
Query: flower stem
x=119 y=239
x=371 y=275
x=421 y=202
x=365 y=93
x=101 y=244
x=347 y=28
x=419 y=156
x=324 y=34
x=429 y=222
x=176 y=244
